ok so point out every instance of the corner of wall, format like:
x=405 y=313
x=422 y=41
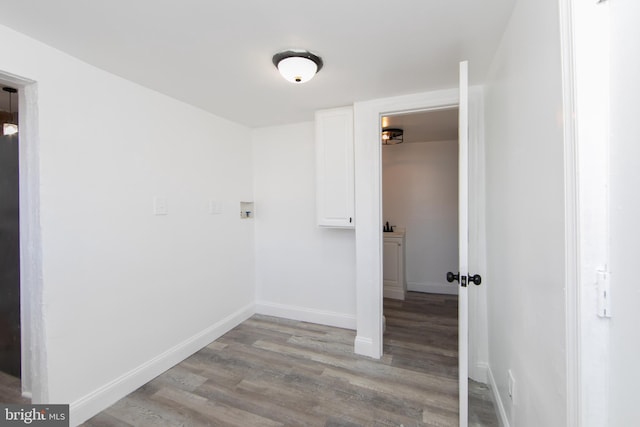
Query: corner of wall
x=100 y=399
x=304 y=314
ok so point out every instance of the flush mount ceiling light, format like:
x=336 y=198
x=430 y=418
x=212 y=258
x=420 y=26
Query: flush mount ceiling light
x=297 y=66
x=10 y=128
x=392 y=136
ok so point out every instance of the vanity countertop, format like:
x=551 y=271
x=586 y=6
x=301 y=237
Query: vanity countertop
x=393 y=234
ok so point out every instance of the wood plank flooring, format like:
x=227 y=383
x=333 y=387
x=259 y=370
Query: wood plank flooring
x=11 y=390
x=275 y=372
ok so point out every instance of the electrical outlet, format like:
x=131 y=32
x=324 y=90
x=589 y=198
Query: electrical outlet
x=511 y=381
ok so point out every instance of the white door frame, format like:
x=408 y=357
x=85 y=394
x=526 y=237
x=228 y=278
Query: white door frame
x=32 y=347
x=584 y=36
x=368 y=201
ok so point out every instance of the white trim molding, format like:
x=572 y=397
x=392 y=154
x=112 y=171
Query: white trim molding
x=433 y=288
x=35 y=375
x=363 y=346
x=303 y=314
x=479 y=372
x=585 y=44
x=497 y=401
x=572 y=226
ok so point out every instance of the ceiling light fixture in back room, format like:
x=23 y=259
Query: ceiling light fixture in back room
x=11 y=127
x=297 y=66
x=392 y=136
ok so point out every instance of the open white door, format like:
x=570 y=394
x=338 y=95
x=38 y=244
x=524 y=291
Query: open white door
x=463 y=244
x=369 y=240
x=463 y=277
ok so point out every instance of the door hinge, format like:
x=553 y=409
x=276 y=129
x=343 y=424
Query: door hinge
x=603 y=287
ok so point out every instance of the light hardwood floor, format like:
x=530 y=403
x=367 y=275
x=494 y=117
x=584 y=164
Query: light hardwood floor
x=276 y=372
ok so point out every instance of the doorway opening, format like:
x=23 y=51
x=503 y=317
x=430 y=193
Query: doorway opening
x=420 y=245
x=369 y=233
x=420 y=203
x=28 y=376
x=420 y=232
x=10 y=325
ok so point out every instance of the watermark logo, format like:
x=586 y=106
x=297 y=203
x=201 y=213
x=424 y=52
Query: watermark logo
x=34 y=415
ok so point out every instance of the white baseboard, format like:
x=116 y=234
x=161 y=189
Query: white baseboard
x=364 y=347
x=304 y=314
x=100 y=399
x=433 y=288
x=480 y=372
x=393 y=294
x=497 y=401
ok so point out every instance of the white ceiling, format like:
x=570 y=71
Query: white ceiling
x=216 y=54
x=426 y=126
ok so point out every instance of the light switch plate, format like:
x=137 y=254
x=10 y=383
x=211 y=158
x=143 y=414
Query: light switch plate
x=215 y=207
x=160 y=206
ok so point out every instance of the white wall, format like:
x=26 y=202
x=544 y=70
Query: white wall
x=125 y=293
x=420 y=193
x=624 y=213
x=303 y=271
x=525 y=217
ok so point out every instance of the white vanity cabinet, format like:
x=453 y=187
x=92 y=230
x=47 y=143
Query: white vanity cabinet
x=334 y=168
x=395 y=285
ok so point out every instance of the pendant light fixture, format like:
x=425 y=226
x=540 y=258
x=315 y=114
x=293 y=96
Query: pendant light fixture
x=297 y=66
x=10 y=128
x=392 y=136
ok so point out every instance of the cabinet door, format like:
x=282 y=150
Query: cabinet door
x=334 y=168
x=391 y=263
x=392 y=269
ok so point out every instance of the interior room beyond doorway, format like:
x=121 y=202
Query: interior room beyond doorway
x=10 y=338
x=420 y=199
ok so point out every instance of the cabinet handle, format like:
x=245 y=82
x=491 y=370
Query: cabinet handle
x=350 y=220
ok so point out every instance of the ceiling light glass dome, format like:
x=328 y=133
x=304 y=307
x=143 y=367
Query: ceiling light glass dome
x=297 y=66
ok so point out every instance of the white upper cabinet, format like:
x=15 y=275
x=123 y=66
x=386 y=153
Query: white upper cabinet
x=334 y=168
